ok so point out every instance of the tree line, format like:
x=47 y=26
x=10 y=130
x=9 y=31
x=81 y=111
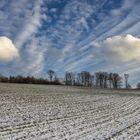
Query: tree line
x=52 y=79
x=84 y=78
x=99 y=79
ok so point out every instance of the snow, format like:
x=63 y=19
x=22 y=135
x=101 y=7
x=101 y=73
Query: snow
x=41 y=112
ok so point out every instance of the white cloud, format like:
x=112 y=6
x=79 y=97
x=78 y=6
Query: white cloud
x=7 y=49
x=121 y=48
x=75 y=31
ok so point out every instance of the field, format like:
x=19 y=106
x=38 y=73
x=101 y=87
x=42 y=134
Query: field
x=40 y=112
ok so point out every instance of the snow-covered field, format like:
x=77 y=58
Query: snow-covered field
x=40 y=112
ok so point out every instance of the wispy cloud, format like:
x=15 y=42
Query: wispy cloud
x=67 y=35
x=31 y=24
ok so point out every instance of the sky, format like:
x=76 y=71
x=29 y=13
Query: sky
x=70 y=35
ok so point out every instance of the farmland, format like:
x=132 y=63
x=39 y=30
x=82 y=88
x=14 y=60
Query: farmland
x=41 y=112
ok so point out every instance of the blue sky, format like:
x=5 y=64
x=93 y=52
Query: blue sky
x=72 y=35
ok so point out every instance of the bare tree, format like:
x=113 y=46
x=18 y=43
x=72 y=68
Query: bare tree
x=79 y=79
x=91 y=83
x=97 y=75
x=102 y=79
x=126 y=76
x=85 y=76
x=110 y=78
x=129 y=86
x=105 y=78
x=70 y=78
x=116 y=80
x=138 y=86
x=51 y=74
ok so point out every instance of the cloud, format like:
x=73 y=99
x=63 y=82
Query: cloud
x=121 y=48
x=65 y=42
x=32 y=23
x=7 y=49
